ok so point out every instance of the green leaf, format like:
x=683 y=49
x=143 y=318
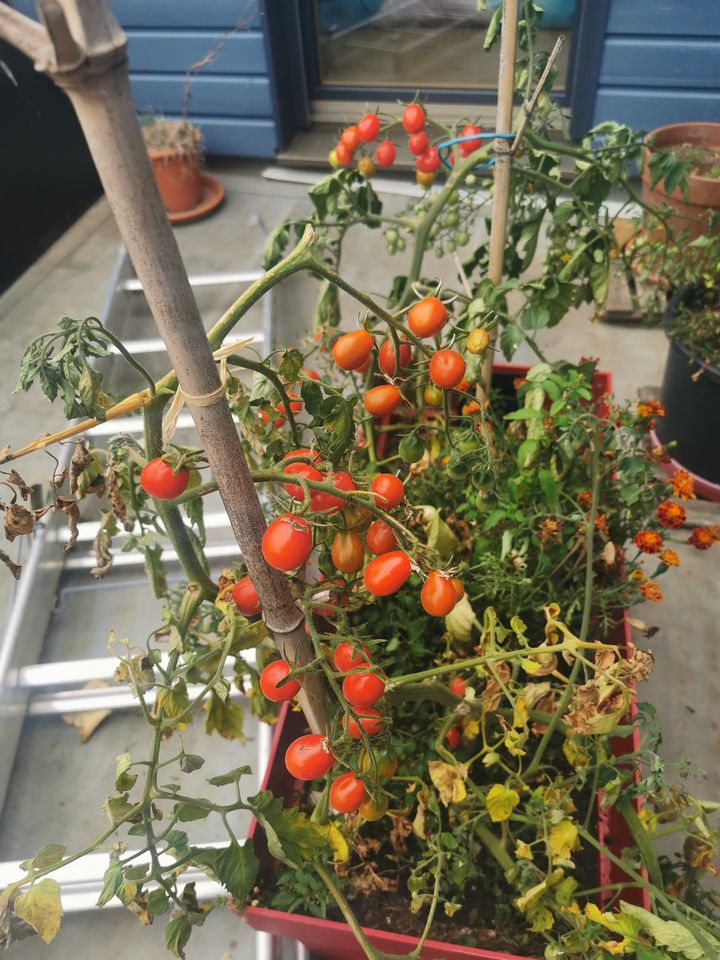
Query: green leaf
x=525 y=414
x=327 y=310
x=668 y=933
x=158 y=902
x=510 y=339
x=493 y=30
x=291 y=836
x=548 y=485
x=123 y=779
x=117 y=807
x=232 y=776
x=177 y=934
x=112 y=881
x=275 y=246
x=190 y=762
x=48 y=856
x=236 y=867
x=40 y=906
x=186 y=812
x=290 y=365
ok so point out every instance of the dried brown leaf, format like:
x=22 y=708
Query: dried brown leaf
x=103 y=557
x=5 y=453
x=14 y=568
x=17 y=481
x=117 y=503
x=72 y=512
x=19 y=521
x=88 y=721
x=81 y=459
x=401 y=830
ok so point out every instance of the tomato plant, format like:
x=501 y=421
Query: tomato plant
x=413 y=118
x=427 y=317
x=274 y=683
x=362 y=689
x=385 y=153
x=438 y=595
x=368 y=127
x=346 y=658
x=380 y=538
x=447 y=369
x=368 y=719
x=389 y=490
x=387 y=573
x=309 y=757
x=348 y=551
x=351 y=350
x=381 y=401
x=160 y=481
x=246 y=598
x=387 y=357
x=418 y=143
x=287 y=542
x=347 y=792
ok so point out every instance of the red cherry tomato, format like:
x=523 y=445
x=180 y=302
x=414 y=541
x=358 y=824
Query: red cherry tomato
x=157 y=479
x=309 y=757
x=347 y=792
x=382 y=400
x=454 y=737
x=428 y=162
x=321 y=502
x=469 y=146
x=389 y=490
x=427 y=317
x=380 y=538
x=351 y=350
x=438 y=594
x=386 y=357
x=369 y=127
x=418 y=143
x=447 y=368
x=347 y=658
x=459 y=588
x=387 y=573
x=295 y=407
x=351 y=138
x=287 y=542
x=246 y=598
x=310 y=374
x=413 y=118
x=370 y=720
x=362 y=689
x=343 y=154
x=385 y=153
x=271 y=682
x=347 y=551
x=457 y=685
x=299 y=469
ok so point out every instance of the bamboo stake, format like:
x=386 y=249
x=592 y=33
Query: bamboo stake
x=90 y=64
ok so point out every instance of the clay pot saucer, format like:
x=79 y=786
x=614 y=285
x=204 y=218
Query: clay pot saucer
x=212 y=194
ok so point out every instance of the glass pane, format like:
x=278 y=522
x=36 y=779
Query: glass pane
x=420 y=43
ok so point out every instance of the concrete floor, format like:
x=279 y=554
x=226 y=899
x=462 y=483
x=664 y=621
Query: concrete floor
x=72 y=278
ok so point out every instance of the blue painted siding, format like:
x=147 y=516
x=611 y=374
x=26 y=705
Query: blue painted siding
x=185 y=14
x=172 y=51
x=661 y=63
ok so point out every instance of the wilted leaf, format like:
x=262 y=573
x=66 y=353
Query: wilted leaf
x=291 y=836
x=460 y=621
x=40 y=906
x=501 y=801
x=338 y=843
x=173 y=701
x=448 y=780
x=438 y=534
x=224 y=716
x=88 y=721
x=669 y=933
x=14 y=568
x=562 y=840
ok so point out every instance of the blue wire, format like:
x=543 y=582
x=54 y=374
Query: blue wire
x=447 y=144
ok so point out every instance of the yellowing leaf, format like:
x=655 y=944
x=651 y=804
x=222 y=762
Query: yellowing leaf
x=448 y=781
x=439 y=535
x=540 y=919
x=451 y=908
x=523 y=851
x=460 y=621
x=616 y=948
x=501 y=801
x=341 y=850
x=471 y=729
x=40 y=906
x=563 y=839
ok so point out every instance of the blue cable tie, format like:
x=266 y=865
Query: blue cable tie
x=447 y=144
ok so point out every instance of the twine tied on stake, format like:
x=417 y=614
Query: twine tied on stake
x=203 y=399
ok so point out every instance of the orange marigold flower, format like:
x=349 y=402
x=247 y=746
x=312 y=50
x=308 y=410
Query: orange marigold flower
x=584 y=498
x=701 y=539
x=650 y=591
x=683 y=485
x=647 y=541
x=601 y=523
x=650 y=408
x=550 y=529
x=669 y=558
x=637 y=575
x=659 y=455
x=671 y=514
x=714 y=530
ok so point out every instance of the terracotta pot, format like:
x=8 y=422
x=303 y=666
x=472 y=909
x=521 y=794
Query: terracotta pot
x=177 y=175
x=704 y=191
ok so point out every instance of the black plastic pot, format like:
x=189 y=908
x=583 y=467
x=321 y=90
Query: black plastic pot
x=691 y=397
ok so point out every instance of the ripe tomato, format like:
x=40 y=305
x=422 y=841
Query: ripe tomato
x=386 y=357
x=413 y=118
x=347 y=792
x=157 y=479
x=380 y=538
x=418 y=143
x=321 y=502
x=433 y=396
x=457 y=685
x=309 y=757
x=357 y=517
x=374 y=809
x=310 y=374
x=389 y=490
x=351 y=350
x=382 y=764
x=246 y=598
x=370 y=719
x=387 y=573
x=271 y=682
x=454 y=737
x=343 y=154
x=382 y=400
x=287 y=542
x=447 y=368
x=369 y=127
x=362 y=689
x=366 y=167
x=350 y=137
x=438 y=595
x=427 y=317
x=428 y=162
x=347 y=551
x=346 y=657
x=459 y=588
x=385 y=153
x=425 y=180
x=469 y=146
x=295 y=407
x=463 y=386
x=299 y=469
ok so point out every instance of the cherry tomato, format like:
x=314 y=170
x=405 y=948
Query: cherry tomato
x=433 y=396
x=347 y=551
x=357 y=517
x=299 y=469
x=387 y=573
x=347 y=658
x=295 y=407
x=382 y=400
x=351 y=350
x=478 y=340
x=309 y=757
x=386 y=357
x=459 y=588
x=413 y=118
x=381 y=538
x=287 y=542
x=457 y=685
x=328 y=504
x=157 y=479
x=310 y=374
x=385 y=153
x=366 y=167
x=369 y=127
x=362 y=689
x=418 y=143
x=427 y=317
x=389 y=490
x=271 y=682
x=469 y=146
x=463 y=386
x=454 y=737
x=347 y=792
x=343 y=154
x=428 y=162
x=447 y=368
x=374 y=809
x=438 y=595
x=382 y=764
x=370 y=719
x=425 y=180
x=351 y=138
x=246 y=598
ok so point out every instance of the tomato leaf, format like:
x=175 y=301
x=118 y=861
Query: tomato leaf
x=232 y=776
x=40 y=906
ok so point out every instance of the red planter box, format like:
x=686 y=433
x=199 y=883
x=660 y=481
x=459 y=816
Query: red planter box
x=333 y=940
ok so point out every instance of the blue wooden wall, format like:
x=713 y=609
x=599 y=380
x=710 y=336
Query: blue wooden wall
x=661 y=63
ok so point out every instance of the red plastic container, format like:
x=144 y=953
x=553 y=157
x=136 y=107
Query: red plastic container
x=333 y=940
